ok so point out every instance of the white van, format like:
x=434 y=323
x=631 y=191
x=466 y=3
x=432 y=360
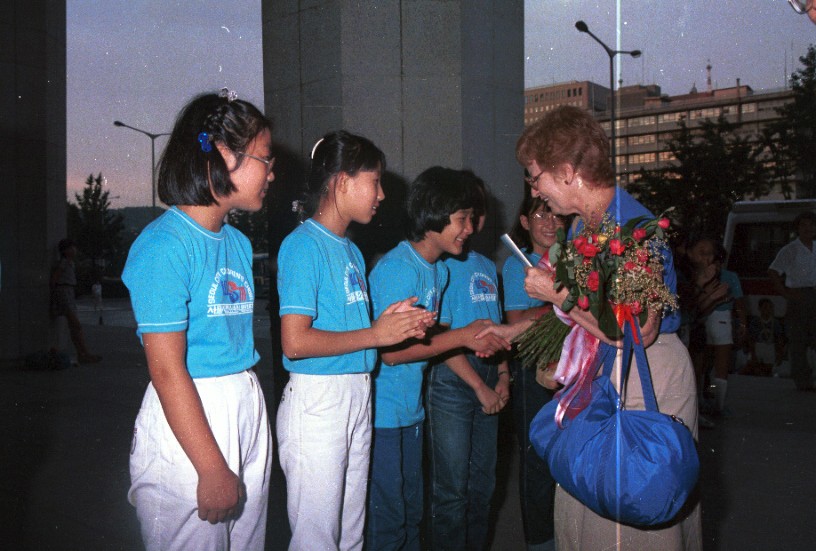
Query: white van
x=754 y=233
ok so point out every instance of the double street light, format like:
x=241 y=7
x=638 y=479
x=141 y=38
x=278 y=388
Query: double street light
x=581 y=26
x=152 y=155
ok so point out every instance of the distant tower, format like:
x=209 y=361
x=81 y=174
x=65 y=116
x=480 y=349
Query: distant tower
x=708 y=77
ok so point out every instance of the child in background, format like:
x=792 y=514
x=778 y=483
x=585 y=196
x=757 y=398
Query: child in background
x=464 y=393
x=202 y=447
x=440 y=211
x=534 y=232
x=329 y=347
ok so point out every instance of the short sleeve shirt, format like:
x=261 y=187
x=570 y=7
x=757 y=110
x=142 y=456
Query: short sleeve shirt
x=321 y=275
x=798 y=264
x=183 y=277
x=472 y=292
x=400 y=274
x=515 y=297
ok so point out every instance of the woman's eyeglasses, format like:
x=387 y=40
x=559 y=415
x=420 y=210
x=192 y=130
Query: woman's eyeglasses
x=542 y=217
x=270 y=163
x=531 y=180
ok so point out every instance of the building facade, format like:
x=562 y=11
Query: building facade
x=646 y=120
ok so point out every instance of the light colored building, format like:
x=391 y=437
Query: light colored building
x=646 y=120
x=585 y=94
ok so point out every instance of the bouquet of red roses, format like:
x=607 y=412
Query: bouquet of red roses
x=615 y=272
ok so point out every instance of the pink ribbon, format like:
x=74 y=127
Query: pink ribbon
x=576 y=368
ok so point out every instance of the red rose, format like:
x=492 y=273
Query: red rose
x=616 y=246
x=579 y=242
x=638 y=234
x=588 y=250
x=593 y=280
x=664 y=223
x=629 y=265
x=642 y=256
x=583 y=302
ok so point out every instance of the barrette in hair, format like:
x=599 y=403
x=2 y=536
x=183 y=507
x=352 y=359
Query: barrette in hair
x=204 y=139
x=315 y=147
x=231 y=95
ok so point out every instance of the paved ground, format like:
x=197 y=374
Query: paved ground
x=67 y=434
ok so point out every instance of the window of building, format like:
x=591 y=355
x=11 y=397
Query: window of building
x=749 y=107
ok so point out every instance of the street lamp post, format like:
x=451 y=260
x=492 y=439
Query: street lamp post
x=582 y=27
x=152 y=155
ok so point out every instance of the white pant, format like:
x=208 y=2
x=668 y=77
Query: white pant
x=324 y=439
x=719 y=328
x=164 y=482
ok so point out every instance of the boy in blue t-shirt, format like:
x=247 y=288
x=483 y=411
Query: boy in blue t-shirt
x=440 y=211
x=463 y=396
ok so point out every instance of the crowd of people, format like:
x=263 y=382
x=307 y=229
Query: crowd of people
x=393 y=371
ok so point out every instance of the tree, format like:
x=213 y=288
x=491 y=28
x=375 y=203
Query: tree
x=715 y=167
x=791 y=141
x=96 y=231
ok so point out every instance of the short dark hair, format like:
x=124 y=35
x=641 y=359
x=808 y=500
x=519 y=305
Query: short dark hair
x=804 y=215
x=529 y=206
x=188 y=174
x=65 y=244
x=337 y=152
x=434 y=195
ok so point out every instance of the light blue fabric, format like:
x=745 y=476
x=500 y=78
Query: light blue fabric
x=472 y=292
x=734 y=289
x=400 y=274
x=182 y=277
x=515 y=297
x=320 y=275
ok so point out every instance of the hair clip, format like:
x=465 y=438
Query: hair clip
x=231 y=95
x=204 y=139
x=315 y=147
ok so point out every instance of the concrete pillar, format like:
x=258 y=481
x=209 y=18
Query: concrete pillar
x=32 y=168
x=431 y=82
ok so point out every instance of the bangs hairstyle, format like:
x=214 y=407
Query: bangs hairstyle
x=337 y=152
x=529 y=206
x=568 y=135
x=186 y=172
x=436 y=194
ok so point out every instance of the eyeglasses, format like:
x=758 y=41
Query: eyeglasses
x=542 y=217
x=270 y=163
x=801 y=6
x=531 y=180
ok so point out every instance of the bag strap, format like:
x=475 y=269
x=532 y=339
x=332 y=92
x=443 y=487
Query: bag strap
x=629 y=346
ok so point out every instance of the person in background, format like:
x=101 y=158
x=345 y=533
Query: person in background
x=534 y=232
x=63 y=299
x=706 y=255
x=202 y=448
x=793 y=273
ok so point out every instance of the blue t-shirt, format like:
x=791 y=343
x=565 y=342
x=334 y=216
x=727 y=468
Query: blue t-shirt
x=400 y=274
x=472 y=292
x=623 y=208
x=183 y=277
x=734 y=289
x=515 y=297
x=321 y=275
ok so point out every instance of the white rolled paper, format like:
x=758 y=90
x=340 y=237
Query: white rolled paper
x=515 y=250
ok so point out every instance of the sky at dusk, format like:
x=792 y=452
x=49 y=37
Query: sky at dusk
x=139 y=61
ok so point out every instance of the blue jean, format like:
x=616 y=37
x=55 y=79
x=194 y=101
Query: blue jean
x=462 y=441
x=395 y=489
x=536 y=484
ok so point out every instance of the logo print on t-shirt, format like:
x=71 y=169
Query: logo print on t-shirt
x=235 y=297
x=355 y=286
x=482 y=288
